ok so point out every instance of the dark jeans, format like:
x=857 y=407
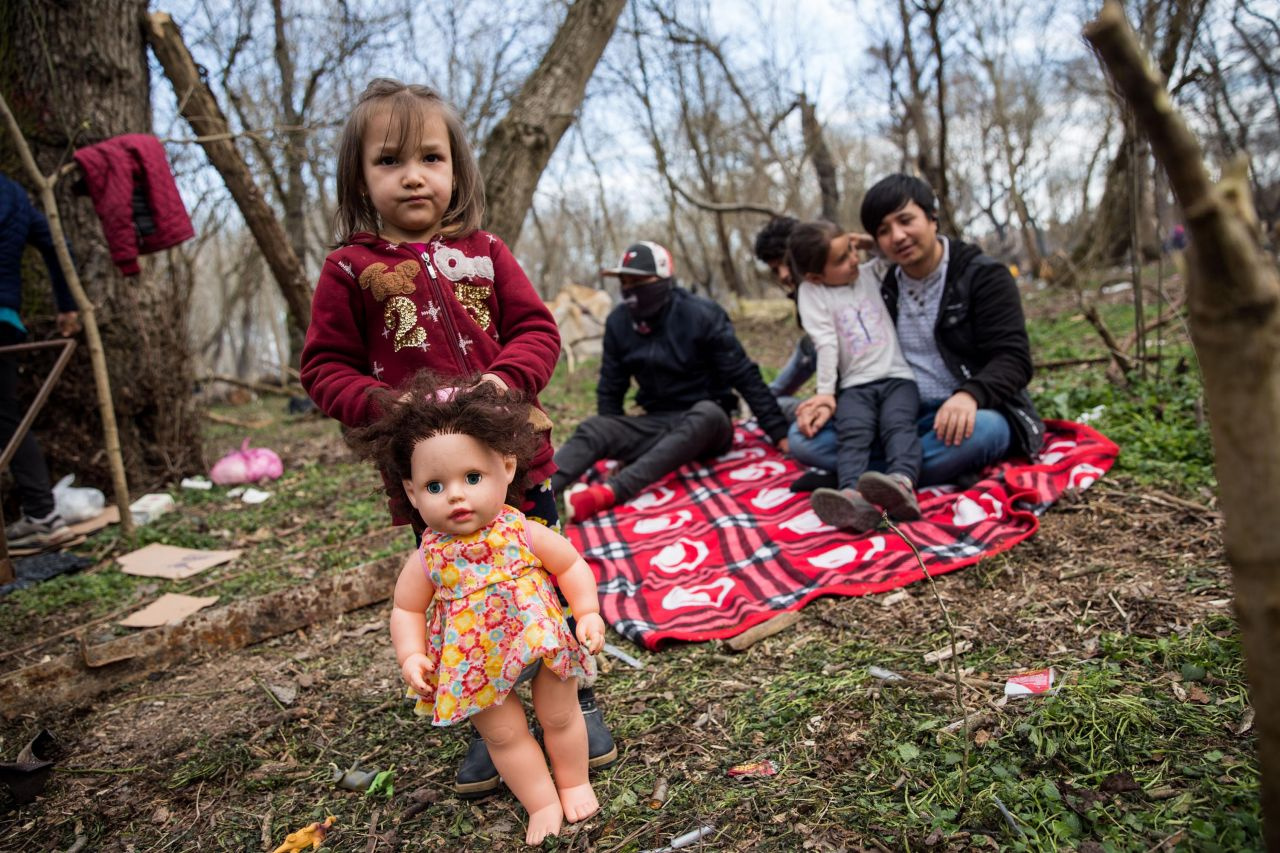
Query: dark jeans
x=30 y=474
x=797 y=370
x=799 y=367
x=650 y=446
x=884 y=410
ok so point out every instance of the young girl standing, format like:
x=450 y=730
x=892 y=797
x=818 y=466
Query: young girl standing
x=415 y=283
x=864 y=381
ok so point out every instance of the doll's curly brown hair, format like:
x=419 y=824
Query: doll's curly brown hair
x=430 y=404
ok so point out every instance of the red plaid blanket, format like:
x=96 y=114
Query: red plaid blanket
x=711 y=550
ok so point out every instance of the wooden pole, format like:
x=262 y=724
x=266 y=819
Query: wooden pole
x=97 y=357
x=1233 y=299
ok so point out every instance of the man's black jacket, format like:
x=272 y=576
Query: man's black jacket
x=982 y=336
x=690 y=354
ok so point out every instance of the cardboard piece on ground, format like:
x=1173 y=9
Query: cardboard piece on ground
x=110 y=515
x=168 y=609
x=169 y=561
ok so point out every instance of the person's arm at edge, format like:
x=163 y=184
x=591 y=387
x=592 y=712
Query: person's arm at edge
x=1001 y=330
x=39 y=236
x=334 y=360
x=733 y=363
x=614 y=380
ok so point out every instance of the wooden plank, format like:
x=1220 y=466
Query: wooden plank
x=755 y=634
x=75 y=680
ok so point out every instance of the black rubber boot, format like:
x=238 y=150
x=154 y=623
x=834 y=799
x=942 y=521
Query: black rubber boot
x=477 y=777
x=601 y=750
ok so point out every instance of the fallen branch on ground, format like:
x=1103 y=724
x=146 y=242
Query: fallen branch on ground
x=74 y=679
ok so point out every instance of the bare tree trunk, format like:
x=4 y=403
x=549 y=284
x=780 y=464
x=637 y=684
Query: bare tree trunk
x=815 y=145
x=522 y=143
x=294 y=199
x=1109 y=235
x=143 y=318
x=1234 y=302
x=201 y=110
x=940 y=181
x=930 y=158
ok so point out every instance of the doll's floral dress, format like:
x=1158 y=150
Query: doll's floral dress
x=495 y=612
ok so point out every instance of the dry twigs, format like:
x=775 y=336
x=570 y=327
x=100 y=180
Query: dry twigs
x=955 y=656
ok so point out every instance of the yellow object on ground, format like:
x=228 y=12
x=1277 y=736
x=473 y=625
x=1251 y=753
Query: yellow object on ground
x=309 y=836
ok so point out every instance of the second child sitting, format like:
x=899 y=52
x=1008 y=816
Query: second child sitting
x=863 y=381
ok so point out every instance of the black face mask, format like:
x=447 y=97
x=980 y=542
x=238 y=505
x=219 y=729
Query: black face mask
x=646 y=301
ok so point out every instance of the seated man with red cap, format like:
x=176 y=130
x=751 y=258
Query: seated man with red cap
x=687 y=363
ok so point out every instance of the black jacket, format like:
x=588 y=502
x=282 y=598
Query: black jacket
x=982 y=336
x=690 y=354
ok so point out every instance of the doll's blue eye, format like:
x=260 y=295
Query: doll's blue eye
x=435 y=487
x=473 y=478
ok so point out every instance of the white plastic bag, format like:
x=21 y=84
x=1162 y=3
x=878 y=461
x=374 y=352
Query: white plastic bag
x=77 y=503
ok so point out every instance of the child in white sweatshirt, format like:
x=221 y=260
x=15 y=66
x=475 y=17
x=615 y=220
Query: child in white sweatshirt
x=863 y=381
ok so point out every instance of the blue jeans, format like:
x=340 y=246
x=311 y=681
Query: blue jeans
x=940 y=463
x=799 y=367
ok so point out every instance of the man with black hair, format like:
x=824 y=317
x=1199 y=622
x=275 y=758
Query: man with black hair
x=687 y=363
x=959 y=320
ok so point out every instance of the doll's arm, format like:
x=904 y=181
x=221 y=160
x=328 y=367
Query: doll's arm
x=414 y=592
x=575 y=578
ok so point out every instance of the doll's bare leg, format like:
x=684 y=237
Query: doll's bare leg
x=516 y=755
x=564 y=734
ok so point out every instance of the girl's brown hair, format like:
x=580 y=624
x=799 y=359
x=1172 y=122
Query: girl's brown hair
x=809 y=246
x=410 y=104
x=429 y=405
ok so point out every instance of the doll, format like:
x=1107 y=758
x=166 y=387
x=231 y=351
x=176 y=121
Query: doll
x=475 y=612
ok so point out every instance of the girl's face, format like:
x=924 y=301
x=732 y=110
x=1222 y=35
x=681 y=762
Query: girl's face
x=459 y=485
x=842 y=262
x=410 y=182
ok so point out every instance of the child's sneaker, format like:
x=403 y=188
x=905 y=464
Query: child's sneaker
x=844 y=508
x=583 y=501
x=47 y=532
x=891 y=491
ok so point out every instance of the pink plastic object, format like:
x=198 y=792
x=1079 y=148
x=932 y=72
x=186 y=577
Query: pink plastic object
x=1030 y=683
x=246 y=465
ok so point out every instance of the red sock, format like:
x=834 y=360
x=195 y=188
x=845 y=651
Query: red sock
x=585 y=503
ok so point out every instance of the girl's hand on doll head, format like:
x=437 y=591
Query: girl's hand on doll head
x=591 y=632
x=496 y=380
x=415 y=669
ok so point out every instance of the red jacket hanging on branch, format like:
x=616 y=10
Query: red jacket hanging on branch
x=135 y=197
